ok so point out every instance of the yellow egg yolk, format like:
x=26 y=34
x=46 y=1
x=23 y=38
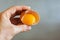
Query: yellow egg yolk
x=28 y=19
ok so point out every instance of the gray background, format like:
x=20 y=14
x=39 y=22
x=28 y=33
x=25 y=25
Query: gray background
x=49 y=26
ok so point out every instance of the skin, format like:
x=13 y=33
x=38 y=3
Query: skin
x=7 y=29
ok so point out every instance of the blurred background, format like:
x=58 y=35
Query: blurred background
x=49 y=25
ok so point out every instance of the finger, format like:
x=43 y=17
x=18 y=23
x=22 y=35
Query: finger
x=21 y=28
x=12 y=10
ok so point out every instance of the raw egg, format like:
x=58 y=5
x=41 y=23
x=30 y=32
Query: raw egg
x=29 y=17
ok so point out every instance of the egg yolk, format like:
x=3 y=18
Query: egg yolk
x=28 y=19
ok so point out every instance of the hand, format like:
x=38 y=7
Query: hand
x=7 y=28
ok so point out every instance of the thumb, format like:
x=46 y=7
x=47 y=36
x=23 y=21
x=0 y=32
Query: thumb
x=21 y=28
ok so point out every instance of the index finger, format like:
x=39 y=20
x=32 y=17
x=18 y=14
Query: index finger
x=13 y=9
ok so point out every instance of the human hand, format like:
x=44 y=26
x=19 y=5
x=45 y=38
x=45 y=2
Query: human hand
x=7 y=29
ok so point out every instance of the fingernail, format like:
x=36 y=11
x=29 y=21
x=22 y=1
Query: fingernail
x=29 y=28
x=29 y=7
x=25 y=28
